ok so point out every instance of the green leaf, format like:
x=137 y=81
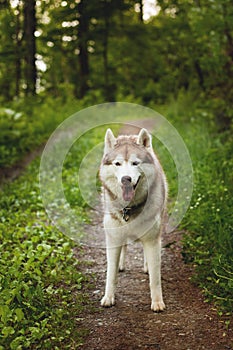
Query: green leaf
x=19 y=314
x=5 y=313
x=8 y=331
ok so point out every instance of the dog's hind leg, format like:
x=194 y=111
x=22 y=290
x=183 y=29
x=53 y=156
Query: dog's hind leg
x=122 y=258
x=113 y=257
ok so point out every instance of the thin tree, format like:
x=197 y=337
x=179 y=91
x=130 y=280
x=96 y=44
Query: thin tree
x=30 y=46
x=83 y=49
x=141 y=10
x=18 y=50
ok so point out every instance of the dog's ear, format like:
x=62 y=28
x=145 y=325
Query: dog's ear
x=110 y=141
x=144 y=138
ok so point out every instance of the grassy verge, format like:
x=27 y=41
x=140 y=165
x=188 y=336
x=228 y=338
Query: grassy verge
x=41 y=293
x=208 y=243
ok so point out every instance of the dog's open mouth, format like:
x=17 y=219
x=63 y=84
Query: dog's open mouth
x=128 y=190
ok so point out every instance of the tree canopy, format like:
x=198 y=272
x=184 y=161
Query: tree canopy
x=105 y=48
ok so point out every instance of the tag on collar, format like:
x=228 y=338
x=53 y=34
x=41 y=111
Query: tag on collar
x=126 y=212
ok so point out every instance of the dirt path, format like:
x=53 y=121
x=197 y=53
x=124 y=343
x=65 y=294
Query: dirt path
x=11 y=173
x=188 y=323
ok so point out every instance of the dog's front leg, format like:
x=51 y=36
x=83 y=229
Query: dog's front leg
x=152 y=250
x=122 y=258
x=113 y=256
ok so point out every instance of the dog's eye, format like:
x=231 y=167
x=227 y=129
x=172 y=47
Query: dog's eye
x=117 y=163
x=135 y=163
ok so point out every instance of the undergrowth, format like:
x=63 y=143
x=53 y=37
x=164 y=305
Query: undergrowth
x=208 y=242
x=41 y=285
x=26 y=125
x=209 y=222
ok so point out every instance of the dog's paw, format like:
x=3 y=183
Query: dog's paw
x=107 y=301
x=157 y=306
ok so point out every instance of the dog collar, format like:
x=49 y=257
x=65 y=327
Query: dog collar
x=128 y=211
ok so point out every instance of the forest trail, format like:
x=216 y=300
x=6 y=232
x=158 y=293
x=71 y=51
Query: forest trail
x=188 y=323
x=12 y=172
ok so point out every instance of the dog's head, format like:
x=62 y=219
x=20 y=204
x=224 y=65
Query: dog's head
x=124 y=160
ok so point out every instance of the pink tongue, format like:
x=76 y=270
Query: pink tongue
x=128 y=192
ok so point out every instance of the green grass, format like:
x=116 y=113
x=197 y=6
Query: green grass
x=208 y=242
x=209 y=221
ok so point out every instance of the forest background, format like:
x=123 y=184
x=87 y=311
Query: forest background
x=57 y=57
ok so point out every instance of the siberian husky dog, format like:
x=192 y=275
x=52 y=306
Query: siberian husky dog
x=134 y=198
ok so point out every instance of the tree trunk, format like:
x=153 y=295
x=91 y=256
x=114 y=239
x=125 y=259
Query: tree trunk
x=83 y=43
x=18 y=52
x=227 y=31
x=141 y=10
x=200 y=74
x=105 y=56
x=30 y=46
x=109 y=87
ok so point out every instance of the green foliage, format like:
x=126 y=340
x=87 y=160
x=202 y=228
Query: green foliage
x=27 y=125
x=104 y=44
x=208 y=242
x=41 y=294
x=12 y=126
x=210 y=220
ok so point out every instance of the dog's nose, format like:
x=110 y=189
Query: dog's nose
x=125 y=179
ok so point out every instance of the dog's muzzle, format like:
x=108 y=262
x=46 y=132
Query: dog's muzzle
x=128 y=189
